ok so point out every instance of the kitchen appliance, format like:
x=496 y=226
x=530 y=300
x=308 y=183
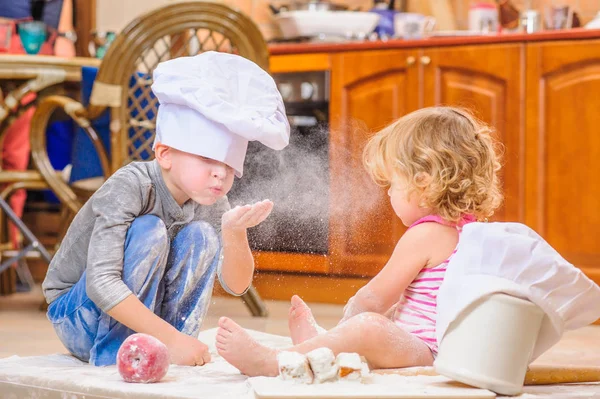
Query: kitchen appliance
x=311 y=5
x=326 y=24
x=296 y=178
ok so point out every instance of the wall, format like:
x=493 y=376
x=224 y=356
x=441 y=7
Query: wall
x=115 y=14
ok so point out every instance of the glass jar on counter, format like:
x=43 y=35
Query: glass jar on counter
x=483 y=17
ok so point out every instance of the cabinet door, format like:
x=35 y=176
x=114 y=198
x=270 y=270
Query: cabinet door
x=563 y=149
x=368 y=91
x=489 y=81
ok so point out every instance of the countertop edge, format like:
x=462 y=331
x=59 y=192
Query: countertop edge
x=306 y=48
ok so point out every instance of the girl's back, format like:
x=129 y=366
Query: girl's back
x=416 y=311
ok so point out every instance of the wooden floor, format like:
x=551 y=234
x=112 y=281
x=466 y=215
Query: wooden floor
x=25 y=331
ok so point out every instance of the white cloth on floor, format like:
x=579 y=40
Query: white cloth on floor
x=513 y=259
x=213 y=103
x=44 y=376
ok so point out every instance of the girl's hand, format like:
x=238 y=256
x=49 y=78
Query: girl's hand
x=244 y=217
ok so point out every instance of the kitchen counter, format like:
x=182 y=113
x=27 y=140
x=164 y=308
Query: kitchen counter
x=303 y=48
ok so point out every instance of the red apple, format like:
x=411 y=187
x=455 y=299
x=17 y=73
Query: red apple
x=142 y=358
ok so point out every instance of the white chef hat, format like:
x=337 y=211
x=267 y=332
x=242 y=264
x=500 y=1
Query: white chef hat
x=511 y=258
x=212 y=104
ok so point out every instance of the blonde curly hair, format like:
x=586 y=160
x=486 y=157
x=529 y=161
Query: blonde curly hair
x=447 y=156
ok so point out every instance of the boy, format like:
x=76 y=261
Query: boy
x=143 y=252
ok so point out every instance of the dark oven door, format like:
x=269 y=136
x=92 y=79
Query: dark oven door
x=296 y=179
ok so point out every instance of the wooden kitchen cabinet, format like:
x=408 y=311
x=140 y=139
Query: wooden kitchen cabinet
x=488 y=80
x=375 y=88
x=539 y=96
x=563 y=149
x=368 y=91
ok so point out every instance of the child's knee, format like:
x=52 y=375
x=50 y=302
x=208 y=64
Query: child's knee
x=368 y=322
x=202 y=234
x=151 y=229
x=146 y=249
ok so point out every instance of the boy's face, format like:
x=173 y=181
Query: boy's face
x=201 y=179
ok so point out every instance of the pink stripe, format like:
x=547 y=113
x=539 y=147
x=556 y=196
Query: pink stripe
x=429 y=270
x=418 y=309
x=437 y=287
x=414 y=319
x=417 y=315
x=423 y=330
x=428 y=339
x=429 y=295
x=410 y=298
x=407 y=323
x=428 y=279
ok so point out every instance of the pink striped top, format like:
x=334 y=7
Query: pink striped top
x=416 y=310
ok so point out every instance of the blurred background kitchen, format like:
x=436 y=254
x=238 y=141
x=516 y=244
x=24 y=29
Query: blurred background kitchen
x=450 y=14
x=345 y=69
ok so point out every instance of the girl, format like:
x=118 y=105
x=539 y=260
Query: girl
x=442 y=170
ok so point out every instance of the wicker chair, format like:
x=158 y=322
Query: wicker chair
x=123 y=87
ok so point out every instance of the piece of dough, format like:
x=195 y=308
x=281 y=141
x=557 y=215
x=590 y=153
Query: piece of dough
x=322 y=362
x=294 y=366
x=350 y=366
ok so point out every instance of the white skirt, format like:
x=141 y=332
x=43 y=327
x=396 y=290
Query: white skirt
x=513 y=259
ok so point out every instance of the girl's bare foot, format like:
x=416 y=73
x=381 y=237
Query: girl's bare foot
x=301 y=321
x=243 y=352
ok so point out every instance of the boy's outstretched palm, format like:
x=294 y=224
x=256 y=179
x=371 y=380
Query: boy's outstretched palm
x=244 y=217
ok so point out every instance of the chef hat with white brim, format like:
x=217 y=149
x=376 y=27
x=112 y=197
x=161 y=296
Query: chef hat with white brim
x=511 y=258
x=214 y=103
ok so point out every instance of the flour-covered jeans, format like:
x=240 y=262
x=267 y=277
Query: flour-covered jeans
x=173 y=279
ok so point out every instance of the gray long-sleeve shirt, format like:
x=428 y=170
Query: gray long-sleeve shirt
x=96 y=238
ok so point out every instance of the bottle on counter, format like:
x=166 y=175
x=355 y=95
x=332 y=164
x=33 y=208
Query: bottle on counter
x=483 y=17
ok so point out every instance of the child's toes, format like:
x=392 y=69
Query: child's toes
x=228 y=324
x=221 y=349
x=223 y=338
x=223 y=322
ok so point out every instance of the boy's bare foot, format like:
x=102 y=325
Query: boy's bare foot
x=243 y=352
x=301 y=321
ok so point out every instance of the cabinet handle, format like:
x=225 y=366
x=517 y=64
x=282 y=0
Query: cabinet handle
x=410 y=60
x=425 y=60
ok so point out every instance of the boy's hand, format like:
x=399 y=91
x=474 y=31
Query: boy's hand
x=187 y=351
x=244 y=217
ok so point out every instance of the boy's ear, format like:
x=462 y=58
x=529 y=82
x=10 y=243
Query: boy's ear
x=163 y=154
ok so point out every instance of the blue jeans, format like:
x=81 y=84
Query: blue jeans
x=173 y=279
